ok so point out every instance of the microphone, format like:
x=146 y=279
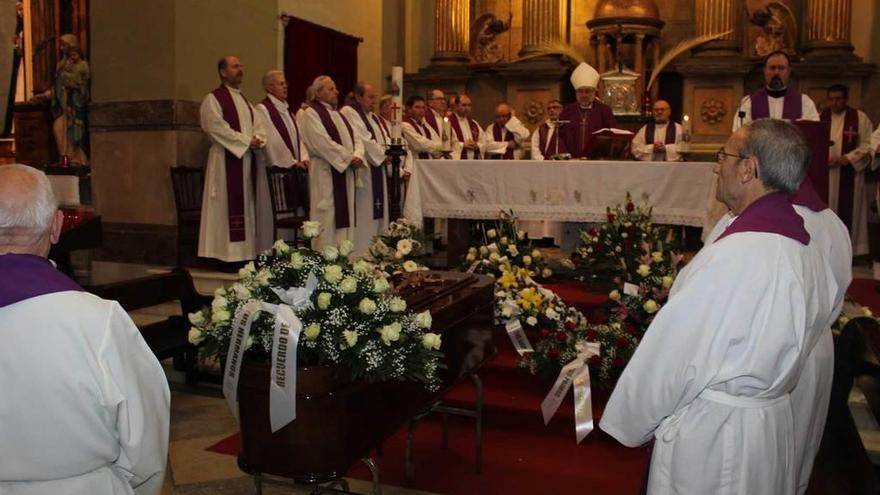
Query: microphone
x=741 y=115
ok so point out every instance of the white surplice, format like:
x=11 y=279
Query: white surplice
x=710 y=381
x=85 y=406
x=808 y=109
x=811 y=394
x=860 y=159
x=276 y=154
x=645 y=152
x=214 y=230
x=536 y=139
x=327 y=155
x=467 y=135
x=374 y=150
x=426 y=141
x=515 y=130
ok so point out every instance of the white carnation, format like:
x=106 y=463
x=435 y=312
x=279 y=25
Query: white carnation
x=404 y=246
x=346 y=247
x=431 y=341
x=311 y=229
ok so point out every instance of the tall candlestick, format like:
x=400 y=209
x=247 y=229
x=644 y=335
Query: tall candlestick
x=685 y=134
x=446 y=135
x=397 y=101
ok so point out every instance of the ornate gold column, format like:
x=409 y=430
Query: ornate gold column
x=828 y=25
x=714 y=16
x=452 y=24
x=543 y=24
x=640 y=64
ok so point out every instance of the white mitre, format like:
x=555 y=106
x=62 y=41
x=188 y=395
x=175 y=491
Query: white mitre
x=584 y=76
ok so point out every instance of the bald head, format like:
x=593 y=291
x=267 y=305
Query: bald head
x=502 y=114
x=30 y=221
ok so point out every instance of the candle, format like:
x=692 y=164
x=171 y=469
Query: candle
x=685 y=146
x=686 y=125
x=445 y=136
x=397 y=100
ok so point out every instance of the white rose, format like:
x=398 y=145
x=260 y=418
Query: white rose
x=644 y=270
x=410 y=266
x=404 y=246
x=195 y=336
x=531 y=321
x=247 y=270
x=348 y=285
x=241 y=292
x=331 y=253
x=219 y=303
x=362 y=267
x=484 y=250
x=614 y=295
x=324 y=299
x=312 y=331
x=220 y=316
x=397 y=305
x=390 y=333
x=506 y=311
x=513 y=250
x=346 y=247
x=333 y=273
x=197 y=318
x=546 y=273
x=503 y=240
x=280 y=247
x=624 y=235
x=527 y=260
x=491 y=233
x=350 y=336
x=657 y=256
x=380 y=285
x=667 y=282
x=470 y=258
x=296 y=260
x=431 y=341
x=367 y=306
x=472 y=250
x=423 y=319
x=551 y=313
x=536 y=253
x=311 y=229
x=520 y=234
x=263 y=276
x=220 y=292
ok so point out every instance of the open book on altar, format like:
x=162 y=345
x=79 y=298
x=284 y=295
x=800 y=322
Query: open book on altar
x=612 y=131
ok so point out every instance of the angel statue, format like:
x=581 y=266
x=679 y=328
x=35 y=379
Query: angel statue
x=776 y=27
x=485 y=28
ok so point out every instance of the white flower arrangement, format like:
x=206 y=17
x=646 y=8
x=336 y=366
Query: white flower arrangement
x=397 y=249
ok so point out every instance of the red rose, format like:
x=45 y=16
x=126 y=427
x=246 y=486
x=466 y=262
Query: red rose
x=545 y=332
x=595 y=361
x=630 y=207
x=627 y=243
x=569 y=325
x=611 y=217
x=552 y=353
x=597 y=248
x=561 y=337
x=593 y=232
x=618 y=362
x=622 y=342
x=592 y=335
x=576 y=259
x=629 y=328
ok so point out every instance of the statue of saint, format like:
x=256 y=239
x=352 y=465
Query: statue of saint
x=70 y=99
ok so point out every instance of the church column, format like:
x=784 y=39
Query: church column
x=543 y=24
x=828 y=25
x=714 y=16
x=640 y=64
x=452 y=21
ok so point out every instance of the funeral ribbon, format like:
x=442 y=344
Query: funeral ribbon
x=285 y=341
x=575 y=373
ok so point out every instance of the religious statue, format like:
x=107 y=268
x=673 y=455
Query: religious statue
x=485 y=28
x=776 y=27
x=70 y=98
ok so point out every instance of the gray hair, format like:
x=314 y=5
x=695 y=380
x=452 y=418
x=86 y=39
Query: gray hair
x=25 y=208
x=269 y=76
x=781 y=150
x=316 y=86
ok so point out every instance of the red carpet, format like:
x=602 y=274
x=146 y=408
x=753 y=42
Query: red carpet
x=864 y=291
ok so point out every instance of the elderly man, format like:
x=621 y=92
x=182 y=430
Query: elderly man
x=436 y=110
x=585 y=116
x=85 y=404
x=504 y=138
x=466 y=131
x=227 y=229
x=284 y=148
x=740 y=324
x=336 y=153
x=545 y=142
x=421 y=137
x=658 y=140
x=848 y=159
x=371 y=204
x=776 y=99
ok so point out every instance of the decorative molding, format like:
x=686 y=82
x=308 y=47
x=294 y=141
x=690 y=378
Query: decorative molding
x=144 y=115
x=712 y=111
x=533 y=111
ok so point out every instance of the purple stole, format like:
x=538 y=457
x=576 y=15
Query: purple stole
x=577 y=134
x=771 y=214
x=381 y=122
x=847 y=174
x=651 y=127
x=418 y=127
x=375 y=172
x=340 y=190
x=234 y=167
x=475 y=133
x=792 y=105
x=26 y=276
x=548 y=145
x=807 y=196
x=431 y=120
x=278 y=122
x=500 y=134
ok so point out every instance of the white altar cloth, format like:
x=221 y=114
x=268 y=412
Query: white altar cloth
x=682 y=193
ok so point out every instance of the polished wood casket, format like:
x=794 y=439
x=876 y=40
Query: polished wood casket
x=339 y=423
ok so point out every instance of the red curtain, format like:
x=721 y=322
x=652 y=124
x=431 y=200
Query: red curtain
x=311 y=50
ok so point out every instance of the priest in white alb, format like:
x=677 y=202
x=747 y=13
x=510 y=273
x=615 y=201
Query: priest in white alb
x=228 y=230
x=658 y=140
x=776 y=100
x=284 y=148
x=371 y=200
x=336 y=153
x=711 y=381
x=505 y=138
x=466 y=132
x=85 y=405
x=545 y=140
x=420 y=137
x=848 y=159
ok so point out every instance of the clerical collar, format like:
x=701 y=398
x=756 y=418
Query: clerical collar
x=278 y=102
x=588 y=107
x=230 y=88
x=776 y=93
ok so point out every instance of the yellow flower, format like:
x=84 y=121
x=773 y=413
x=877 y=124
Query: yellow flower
x=667 y=281
x=529 y=298
x=508 y=280
x=614 y=295
x=650 y=306
x=657 y=256
x=644 y=270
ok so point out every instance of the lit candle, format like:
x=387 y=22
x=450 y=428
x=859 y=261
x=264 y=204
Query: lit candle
x=447 y=142
x=685 y=146
x=397 y=101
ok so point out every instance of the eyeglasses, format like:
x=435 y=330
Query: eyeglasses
x=720 y=154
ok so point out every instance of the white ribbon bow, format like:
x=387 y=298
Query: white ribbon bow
x=285 y=341
x=576 y=373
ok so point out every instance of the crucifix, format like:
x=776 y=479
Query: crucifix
x=850 y=135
